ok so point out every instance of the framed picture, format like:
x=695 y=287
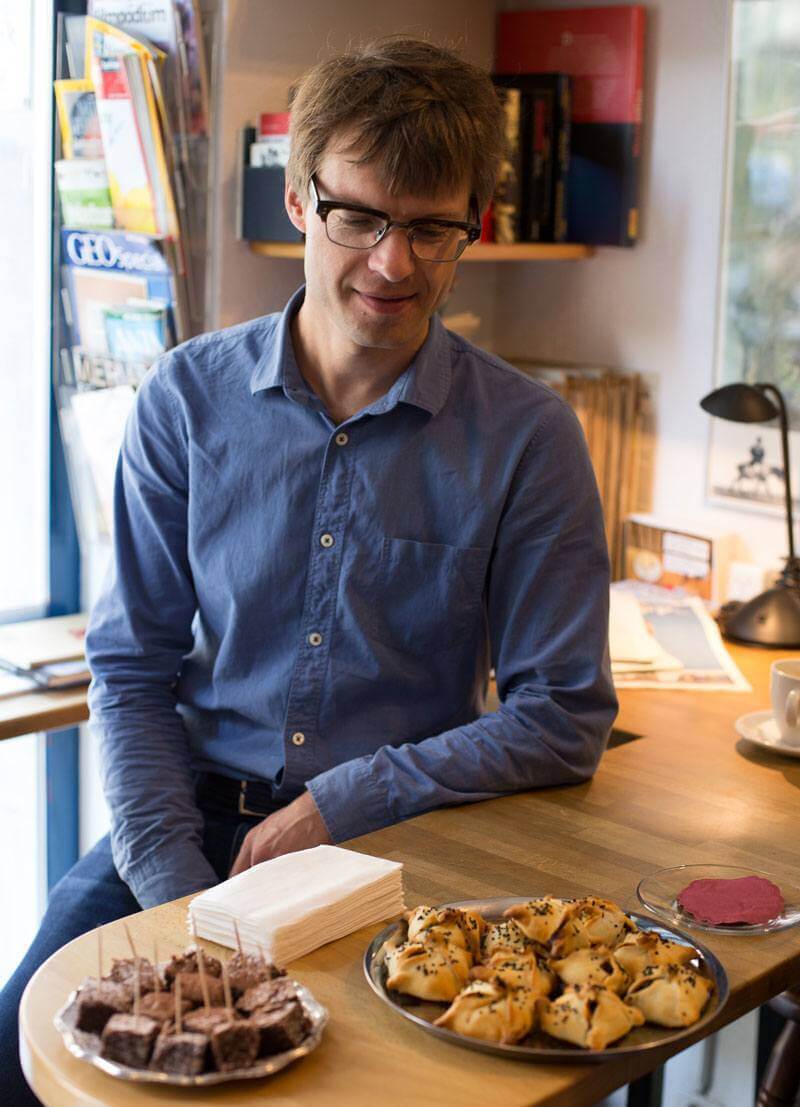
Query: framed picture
x=745 y=467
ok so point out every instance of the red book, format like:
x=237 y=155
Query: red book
x=602 y=49
x=273 y=123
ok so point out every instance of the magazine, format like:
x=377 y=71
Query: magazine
x=113 y=270
x=174 y=27
x=77 y=117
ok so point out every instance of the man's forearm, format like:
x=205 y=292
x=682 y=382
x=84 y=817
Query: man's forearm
x=156 y=826
x=529 y=742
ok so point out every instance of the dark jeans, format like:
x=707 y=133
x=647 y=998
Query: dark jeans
x=90 y=895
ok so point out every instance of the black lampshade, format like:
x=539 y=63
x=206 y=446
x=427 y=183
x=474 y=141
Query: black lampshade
x=741 y=403
x=771 y=618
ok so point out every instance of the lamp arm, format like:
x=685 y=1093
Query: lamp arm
x=776 y=394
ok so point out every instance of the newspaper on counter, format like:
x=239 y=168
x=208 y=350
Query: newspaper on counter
x=662 y=638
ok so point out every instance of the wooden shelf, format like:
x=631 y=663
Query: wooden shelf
x=481 y=251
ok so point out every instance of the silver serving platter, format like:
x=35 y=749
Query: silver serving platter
x=87 y=1048
x=539 y=1046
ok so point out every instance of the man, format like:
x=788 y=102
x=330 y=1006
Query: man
x=330 y=521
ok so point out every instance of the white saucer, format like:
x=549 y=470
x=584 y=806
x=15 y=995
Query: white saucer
x=760 y=727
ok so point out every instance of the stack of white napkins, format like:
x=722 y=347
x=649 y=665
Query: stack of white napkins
x=293 y=904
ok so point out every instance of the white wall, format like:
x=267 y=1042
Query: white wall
x=653 y=308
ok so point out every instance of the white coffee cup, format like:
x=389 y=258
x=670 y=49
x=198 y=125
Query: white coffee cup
x=784 y=690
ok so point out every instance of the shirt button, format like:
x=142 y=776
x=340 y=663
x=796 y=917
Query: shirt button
x=341 y=439
x=298 y=738
x=315 y=639
x=326 y=540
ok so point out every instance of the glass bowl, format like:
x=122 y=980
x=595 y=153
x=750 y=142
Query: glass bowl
x=659 y=893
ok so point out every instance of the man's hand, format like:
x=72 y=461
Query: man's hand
x=299 y=825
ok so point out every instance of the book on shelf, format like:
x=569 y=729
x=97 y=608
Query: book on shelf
x=602 y=50
x=47 y=653
x=271 y=147
x=544 y=138
x=507 y=200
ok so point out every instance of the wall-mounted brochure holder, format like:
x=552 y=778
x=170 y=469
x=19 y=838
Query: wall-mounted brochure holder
x=262 y=213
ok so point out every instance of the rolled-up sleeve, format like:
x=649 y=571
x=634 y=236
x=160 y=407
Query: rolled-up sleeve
x=547 y=608
x=139 y=632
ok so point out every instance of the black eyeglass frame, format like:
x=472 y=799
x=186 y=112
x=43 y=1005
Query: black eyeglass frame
x=323 y=209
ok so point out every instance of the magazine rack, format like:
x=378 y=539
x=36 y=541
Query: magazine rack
x=96 y=369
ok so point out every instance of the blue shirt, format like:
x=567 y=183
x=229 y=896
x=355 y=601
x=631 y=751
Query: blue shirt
x=318 y=605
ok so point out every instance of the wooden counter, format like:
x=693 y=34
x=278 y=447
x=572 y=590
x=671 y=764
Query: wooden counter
x=687 y=791
x=30 y=712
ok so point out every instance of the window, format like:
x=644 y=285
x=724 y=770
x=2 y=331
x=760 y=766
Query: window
x=25 y=112
x=25 y=157
x=759 y=326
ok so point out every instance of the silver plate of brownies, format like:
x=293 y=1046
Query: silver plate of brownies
x=250 y=1033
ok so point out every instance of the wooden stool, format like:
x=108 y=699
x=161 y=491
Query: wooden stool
x=781 y=1082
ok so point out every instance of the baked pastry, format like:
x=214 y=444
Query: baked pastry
x=521 y=971
x=539 y=919
x=448 y=925
x=492 y=1011
x=645 y=947
x=587 y=1016
x=427 y=970
x=594 y=965
x=593 y=922
x=504 y=937
x=670 y=995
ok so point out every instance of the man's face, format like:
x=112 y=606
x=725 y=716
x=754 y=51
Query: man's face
x=381 y=298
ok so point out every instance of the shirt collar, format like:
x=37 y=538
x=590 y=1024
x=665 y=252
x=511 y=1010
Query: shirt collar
x=424 y=384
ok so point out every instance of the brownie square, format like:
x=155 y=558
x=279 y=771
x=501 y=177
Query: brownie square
x=246 y=971
x=161 y=1006
x=270 y=993
x=187 y=962
x=280 y=1028
x=204 y=1021
x=123 y=971
x=181 y=1054
x=128 y=1040
x=192 y=989
x=97 y=1001
x=234 y=1045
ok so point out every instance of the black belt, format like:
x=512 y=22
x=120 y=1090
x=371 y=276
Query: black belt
x=243 y=797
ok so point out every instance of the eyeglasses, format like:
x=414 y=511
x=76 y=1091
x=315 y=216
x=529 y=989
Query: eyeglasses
x=360 y=228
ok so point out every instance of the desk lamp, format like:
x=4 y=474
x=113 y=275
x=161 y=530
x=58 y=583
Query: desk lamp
x=773 y=617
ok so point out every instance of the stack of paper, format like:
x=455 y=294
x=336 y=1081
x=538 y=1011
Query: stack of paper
x=633 y=646
x=43 y=653
x=293 y=904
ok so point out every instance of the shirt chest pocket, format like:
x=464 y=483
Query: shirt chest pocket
x=427 y=595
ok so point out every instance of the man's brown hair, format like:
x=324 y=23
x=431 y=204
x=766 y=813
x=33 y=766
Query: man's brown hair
x=428 y=120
